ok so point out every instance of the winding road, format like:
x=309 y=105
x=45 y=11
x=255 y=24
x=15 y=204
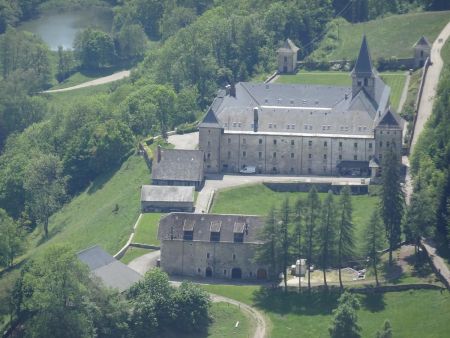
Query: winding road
x=102 y=80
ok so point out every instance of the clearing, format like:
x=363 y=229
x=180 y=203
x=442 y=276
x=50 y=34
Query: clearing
x=297 y=315
x=392 y=36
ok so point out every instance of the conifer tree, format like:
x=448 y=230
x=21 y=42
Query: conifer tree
x=299 y=233
x=327 y=233
x=392 y=199
x=311 y=216
x=284 y=237
x=345 y=241
x=374 y=241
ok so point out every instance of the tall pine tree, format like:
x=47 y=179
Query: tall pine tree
x=311 y=217
x=392 y=199
x=374 y=241
x=327 y=234
x=345 y=237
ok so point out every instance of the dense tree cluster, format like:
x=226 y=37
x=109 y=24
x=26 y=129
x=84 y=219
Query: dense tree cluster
x=55 y=296
x=322 y=232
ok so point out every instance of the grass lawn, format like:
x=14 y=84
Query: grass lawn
x=223 y=321
x=411 y=313
x=147 y=229
x=133 y=253
x=392 y=36
x=258 y=199
x=395 y=80
x=90 y=218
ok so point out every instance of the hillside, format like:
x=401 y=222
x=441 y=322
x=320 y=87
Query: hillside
x=392 y=36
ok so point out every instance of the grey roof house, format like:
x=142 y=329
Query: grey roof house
x=178 y=167
x=167 y=198
x=112 y=272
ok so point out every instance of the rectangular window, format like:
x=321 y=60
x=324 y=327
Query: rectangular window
x=244 y=141
x=209 y=156
x=188 y=235
x=340 y=144
x=270 y=125
x=370 y=145
x=215 y=237
x=244 y=154
x=309 y=155
x=292 y=142
x=292 y=155
x=324 y=156
x=387 y=144
x=325 y=144
x=260 y=141
x=355 y=145
x=381 y=144
x=207 y=255
x=355 y=158
x=340 y=157
x=238 y=237
x=260 y=154
x=310 y=143
x=209 y=143
x=274 y=142
x=229 y=140
x=274 y=155
x=229 y=154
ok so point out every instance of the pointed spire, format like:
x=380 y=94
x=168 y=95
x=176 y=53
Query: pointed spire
x=210 y=120
x=423 y=41
x=363 y=65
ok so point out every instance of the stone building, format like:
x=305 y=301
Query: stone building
x=211 y=245
x=303 y=129
x=422 y=50
x=287 y=57
x=163 y=198
x=178 y=167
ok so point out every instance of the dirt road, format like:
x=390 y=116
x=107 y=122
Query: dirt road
x=102 y=80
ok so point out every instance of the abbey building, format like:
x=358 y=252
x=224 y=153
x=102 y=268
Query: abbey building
x=302 y=129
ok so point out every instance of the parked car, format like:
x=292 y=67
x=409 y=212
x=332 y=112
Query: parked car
x=248 y=170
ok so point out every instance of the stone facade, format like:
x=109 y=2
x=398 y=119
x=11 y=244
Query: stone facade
x=287 y=57
x=422 y=50
x=302 y=129
x=211 y=245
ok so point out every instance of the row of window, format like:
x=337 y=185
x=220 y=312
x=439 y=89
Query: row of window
x=274 y=155
x=292 y=126
x=208 y=256
x=310 y=143
x=214 y=236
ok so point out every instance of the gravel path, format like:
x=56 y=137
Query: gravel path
x=431 y=84
x=185 y=141
x=102 y=80
x=145 y=262
x=404 y=93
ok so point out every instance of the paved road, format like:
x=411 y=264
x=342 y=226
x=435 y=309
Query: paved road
x=217 y=182
x=431 y=83
x=102 y=80
x=185 y=141
x=404 y=93
x=145 y=262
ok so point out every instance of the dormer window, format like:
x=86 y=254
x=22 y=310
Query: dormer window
x=188 y=230
x=238 y=232
x=366 y=82
x=215 y=231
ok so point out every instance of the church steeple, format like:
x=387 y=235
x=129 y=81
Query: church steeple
x=363 y=76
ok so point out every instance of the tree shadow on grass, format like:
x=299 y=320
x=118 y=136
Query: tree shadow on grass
x=318 y=302
x=393 y=273
x=373 y=302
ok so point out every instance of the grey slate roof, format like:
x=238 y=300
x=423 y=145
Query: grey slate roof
x=179 y=165
x=288 y=46
x=112 y=272
x=423 y=41
x=203 y=224
x=162 y=193
x=363 y=65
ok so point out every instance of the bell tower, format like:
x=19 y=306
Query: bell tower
x=363 y=76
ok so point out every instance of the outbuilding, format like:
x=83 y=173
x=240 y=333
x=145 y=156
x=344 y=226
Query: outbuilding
x=162 y=198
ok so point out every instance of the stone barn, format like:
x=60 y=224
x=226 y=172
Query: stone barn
x=176 y=167
x=422 y=50
x=211 y=245
x=162 y=198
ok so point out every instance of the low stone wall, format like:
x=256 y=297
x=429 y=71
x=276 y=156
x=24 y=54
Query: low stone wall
x=145 y=246
x=395 y=288
x=320 y=187
x=435 y=269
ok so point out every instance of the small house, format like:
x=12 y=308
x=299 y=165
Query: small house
x=161 y=198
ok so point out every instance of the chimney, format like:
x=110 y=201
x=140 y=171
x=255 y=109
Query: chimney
x=158 y=154
x=227 y=89
x=233 y=89
x=255 y=119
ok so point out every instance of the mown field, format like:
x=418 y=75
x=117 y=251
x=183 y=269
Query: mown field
x=413 y=314
x=258 y=199
x=395 y=80
x=392 y=36
x=147 y=229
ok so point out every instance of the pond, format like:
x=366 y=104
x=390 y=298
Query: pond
x=60 y=28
